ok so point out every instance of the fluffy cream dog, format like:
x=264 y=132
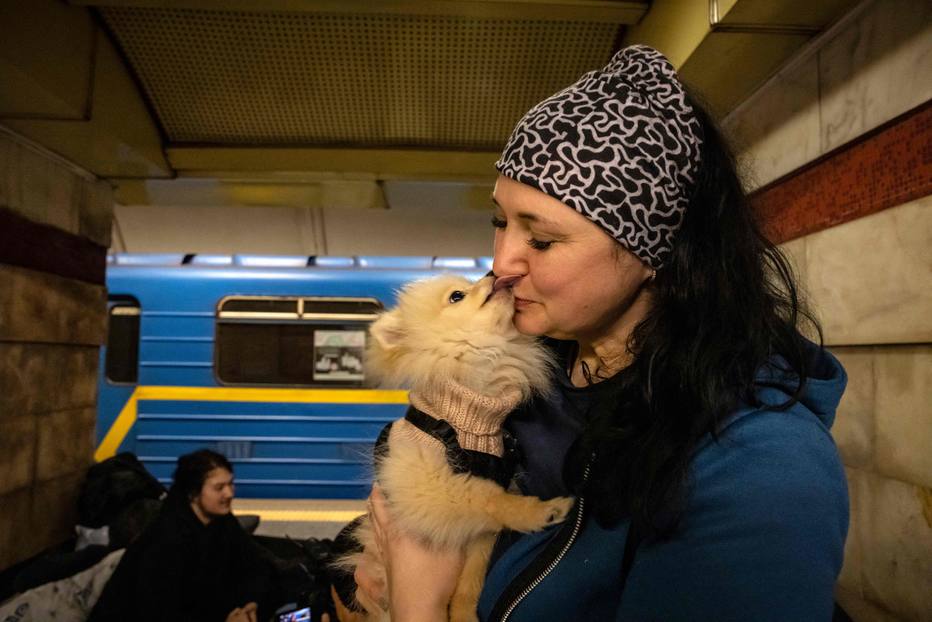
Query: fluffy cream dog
x=453 y=343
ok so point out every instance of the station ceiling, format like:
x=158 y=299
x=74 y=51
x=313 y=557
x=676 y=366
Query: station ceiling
x=317 y=102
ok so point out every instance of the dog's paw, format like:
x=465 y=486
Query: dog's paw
x=557 y=509
x=534 y=514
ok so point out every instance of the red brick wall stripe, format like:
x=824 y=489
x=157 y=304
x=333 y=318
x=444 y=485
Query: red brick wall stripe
x=48 y=249
x=883 y=168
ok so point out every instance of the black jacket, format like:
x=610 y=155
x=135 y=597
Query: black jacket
x=183 y=570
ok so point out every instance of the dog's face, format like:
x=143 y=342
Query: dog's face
x=446 y=326
x=445 y=308
x=453 y=302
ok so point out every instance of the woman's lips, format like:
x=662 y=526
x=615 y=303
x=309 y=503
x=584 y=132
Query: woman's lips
x=508 y=282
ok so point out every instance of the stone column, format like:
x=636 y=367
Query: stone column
x=54 y=232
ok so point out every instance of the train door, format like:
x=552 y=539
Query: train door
x=119 y=363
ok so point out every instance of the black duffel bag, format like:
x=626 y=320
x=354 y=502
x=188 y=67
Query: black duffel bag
x=113 y=485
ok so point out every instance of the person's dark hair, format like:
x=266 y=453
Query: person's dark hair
x=192 y=470
x=724 y=304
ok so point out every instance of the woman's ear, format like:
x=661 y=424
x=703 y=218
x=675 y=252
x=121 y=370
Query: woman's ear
x=388 y=330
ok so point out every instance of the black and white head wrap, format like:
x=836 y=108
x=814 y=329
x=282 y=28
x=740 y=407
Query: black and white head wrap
x=620 y=146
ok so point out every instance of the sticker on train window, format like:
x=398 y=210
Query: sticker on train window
x=338 y=355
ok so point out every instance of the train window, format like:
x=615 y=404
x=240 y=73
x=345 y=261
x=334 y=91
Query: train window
x=293 y=341
x=122 y=360
x=275 y=308
x=340 y=308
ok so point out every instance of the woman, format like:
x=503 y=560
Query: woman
x=195 y=562
x=691 y=418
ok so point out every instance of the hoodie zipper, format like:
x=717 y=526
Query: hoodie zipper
x=577 y=525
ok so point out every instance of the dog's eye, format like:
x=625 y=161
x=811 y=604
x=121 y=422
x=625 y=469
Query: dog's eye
x=457 y=296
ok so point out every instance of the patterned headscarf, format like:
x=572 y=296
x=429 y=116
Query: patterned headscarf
x=620 y=146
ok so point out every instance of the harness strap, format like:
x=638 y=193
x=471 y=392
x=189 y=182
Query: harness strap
x=462 y=460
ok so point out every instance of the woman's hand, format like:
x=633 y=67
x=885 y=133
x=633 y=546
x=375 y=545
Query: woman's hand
x=247 y=613
x=421 y=581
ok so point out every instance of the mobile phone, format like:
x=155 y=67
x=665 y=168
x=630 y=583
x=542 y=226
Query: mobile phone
x=296 y=615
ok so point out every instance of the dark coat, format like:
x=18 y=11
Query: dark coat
x=181 y=570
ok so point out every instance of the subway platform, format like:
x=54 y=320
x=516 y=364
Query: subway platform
x=300 y=519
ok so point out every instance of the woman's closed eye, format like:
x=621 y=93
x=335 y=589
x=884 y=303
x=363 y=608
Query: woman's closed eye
x=536 y=244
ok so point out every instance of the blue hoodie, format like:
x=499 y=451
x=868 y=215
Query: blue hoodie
x=762 y=537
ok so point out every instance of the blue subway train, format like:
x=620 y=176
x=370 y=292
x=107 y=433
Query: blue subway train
x=258 y=357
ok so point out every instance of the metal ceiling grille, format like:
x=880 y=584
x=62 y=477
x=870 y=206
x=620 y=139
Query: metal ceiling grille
x=265 y=78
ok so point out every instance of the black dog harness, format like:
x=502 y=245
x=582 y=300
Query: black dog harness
x=461 y=460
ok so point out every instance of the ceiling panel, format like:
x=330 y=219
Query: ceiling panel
x=342 y=79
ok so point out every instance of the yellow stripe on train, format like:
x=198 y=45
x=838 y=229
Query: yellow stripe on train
x=127 y=417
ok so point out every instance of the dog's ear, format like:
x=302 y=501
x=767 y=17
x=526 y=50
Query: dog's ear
x=387 y=330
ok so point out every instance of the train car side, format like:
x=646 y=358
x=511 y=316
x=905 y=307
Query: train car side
x=262 y=363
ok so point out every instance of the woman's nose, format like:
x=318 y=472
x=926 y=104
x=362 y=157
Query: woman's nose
x=508 y=259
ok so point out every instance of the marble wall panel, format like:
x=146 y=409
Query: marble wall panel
x=64 y=195
x=894 y=525
x=33 y=172
x=856 y=78
x=48 y=192
x=904 y=413
x=778 y=130
x=868 y=278
x=17 y=453
x=40 y=307
x=9 y=182
x=36 y=518
x=850 y=576
x=795 y=252
x=96 y=214
x=41 y=378
x=853 y=430
x=65 y=443
x=874 y=69
x=53 y=512
x=15 y=541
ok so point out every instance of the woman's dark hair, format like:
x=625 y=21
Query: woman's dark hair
x=192 y=470
x=724 y=305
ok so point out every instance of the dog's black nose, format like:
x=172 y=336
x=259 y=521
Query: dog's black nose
x=490 y=273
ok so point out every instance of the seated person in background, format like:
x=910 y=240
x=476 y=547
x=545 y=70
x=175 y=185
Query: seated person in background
x=194 y=562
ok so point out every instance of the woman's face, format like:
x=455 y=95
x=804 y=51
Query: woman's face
x=576 y=281
x=216 y=498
